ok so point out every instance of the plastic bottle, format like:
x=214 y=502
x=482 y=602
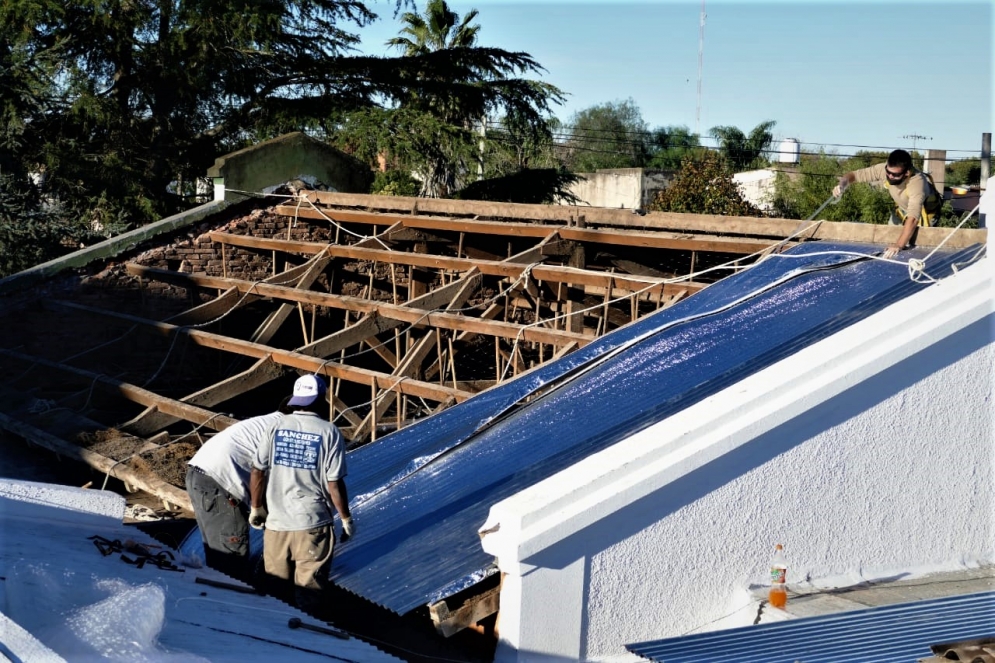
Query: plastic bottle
x=778 y=595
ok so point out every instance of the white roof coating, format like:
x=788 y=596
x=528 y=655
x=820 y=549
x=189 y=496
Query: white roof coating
x=62 y=599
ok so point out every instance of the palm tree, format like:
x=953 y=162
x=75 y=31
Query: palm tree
x=441 y=29
x=436 y=30
x=744 y=151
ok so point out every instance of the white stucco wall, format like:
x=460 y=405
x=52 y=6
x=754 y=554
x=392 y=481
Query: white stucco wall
x=625 y=188
x=868 y=455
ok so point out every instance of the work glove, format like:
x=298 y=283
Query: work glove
x=257 y=517
x=841 y=187
x=347 y=529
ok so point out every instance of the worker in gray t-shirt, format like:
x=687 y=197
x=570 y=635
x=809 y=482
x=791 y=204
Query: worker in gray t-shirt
x=298 y=476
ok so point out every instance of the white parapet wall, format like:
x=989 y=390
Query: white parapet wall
x=867 y=455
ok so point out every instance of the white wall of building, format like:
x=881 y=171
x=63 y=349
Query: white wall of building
x=868 y=454
x=757 y=187
x=619 y=188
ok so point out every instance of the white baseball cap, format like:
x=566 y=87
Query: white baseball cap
x=307 y=389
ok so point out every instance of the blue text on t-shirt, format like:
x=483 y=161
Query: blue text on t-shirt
x=295 y=449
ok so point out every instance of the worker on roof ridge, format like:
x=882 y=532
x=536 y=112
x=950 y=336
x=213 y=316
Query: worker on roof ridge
x=917 y=201
x=298 y=476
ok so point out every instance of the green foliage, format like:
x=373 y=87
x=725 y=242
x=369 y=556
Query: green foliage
x=118 y=102
x=531 y=186
x=745 y=152
x=669 y=146
x=609 y=135
x=32 y=231
x=395 y=183
x=435 y=126
x=964 y=172
x=704 y=186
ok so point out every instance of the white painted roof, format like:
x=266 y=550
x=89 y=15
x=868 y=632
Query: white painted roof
x=63 y=600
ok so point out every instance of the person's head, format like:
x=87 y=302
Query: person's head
x=898 y=166
x=308 y=393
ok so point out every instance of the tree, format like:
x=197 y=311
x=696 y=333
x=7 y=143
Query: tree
x=130 y=102
x=704 y=186
x=434 y=127
x=609 y=135
x=743 y=151
x=669 y=146
x=964 y=171
x=436 y=30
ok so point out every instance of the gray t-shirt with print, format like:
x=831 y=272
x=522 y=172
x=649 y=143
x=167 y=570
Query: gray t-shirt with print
x=301 y=454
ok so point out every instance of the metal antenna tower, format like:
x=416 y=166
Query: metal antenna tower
x=701 y=49
x=914 y=138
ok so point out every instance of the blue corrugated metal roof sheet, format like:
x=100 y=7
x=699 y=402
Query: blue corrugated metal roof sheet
x=422 y=492
x=900 y=633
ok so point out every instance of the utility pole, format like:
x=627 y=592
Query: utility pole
x=701 y=49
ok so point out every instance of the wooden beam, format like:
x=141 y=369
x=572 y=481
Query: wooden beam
x=264 y=333
x=491 y=267
x=134 y=393
x=412 y=361
x=283 y=357
x=450 y=622
x=658 y=239
x=154 y=419
x=400 y=312
x=623 y=218
x=170 y=495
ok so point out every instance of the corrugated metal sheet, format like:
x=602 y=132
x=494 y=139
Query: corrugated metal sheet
x=420 y=494
x=900 y=633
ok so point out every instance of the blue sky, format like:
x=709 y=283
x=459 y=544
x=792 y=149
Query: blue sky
x=836 y=74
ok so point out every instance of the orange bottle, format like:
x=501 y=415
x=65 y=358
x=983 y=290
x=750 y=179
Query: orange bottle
x=778 y=594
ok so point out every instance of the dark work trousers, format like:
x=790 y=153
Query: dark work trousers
x=224 y=525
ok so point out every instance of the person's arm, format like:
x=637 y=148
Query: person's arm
x=257 y=497
x=870 y=174
x=340 y=499
x=908 y=228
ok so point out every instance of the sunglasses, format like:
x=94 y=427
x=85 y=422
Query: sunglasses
x=894 y=176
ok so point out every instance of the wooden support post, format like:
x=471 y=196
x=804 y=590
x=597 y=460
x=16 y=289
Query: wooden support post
x=300 y=311
x=438 y=353
x=452 y=361
x=224 y=260
x=373 y=409
x=497 y=359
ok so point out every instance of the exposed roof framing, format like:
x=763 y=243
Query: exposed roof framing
x=407 y=306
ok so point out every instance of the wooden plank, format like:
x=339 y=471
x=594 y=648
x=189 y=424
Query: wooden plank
x=413 y=359
x=450 y=622
x=170 y=495
x=569 y=275
x=657 y=240
x=283 y=357
x=135 y=394
x=398 y=312
x=264 y=333
x=842 y=231
x=262 y=372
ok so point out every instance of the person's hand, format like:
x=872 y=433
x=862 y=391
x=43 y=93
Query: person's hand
x=891 y=252
x=257 y=517
x=348 y=527
x=841 y=187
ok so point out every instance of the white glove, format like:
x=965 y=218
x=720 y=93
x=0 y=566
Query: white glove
x=347 y=529
x=257 y=517
x=841 y=187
